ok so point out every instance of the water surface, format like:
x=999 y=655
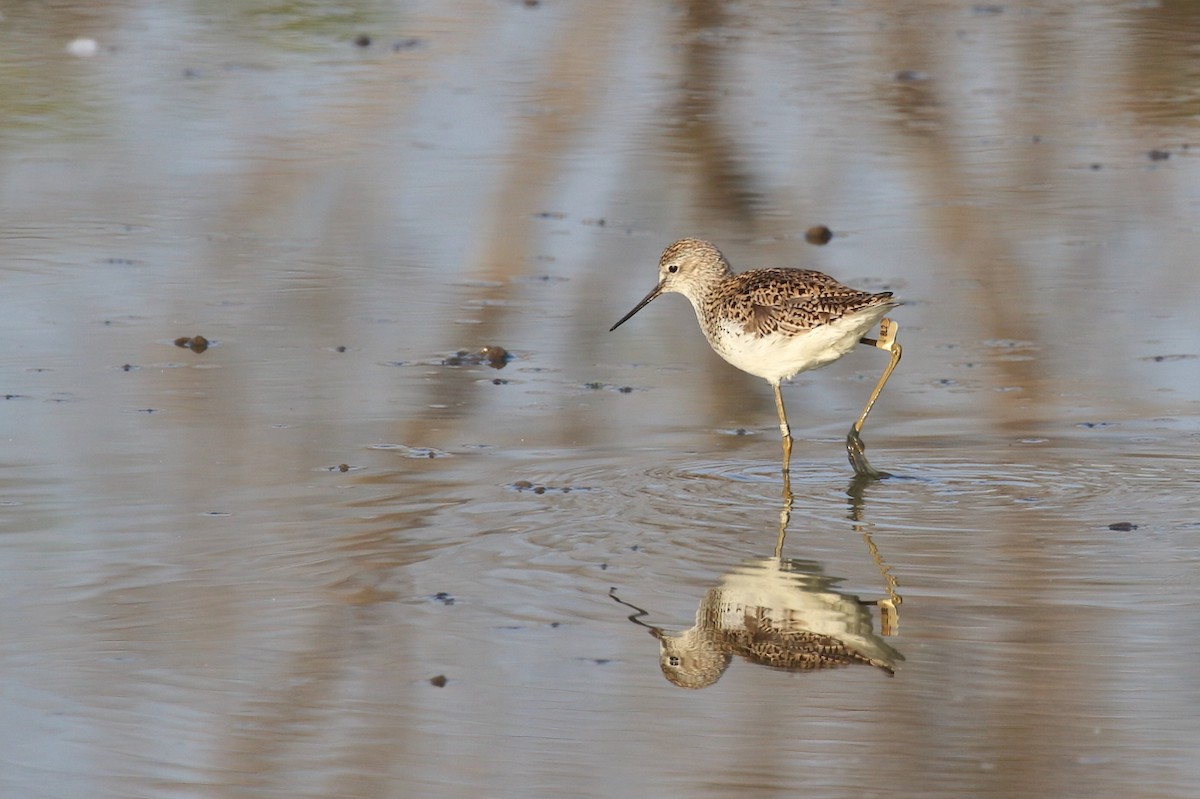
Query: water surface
x=327 y=556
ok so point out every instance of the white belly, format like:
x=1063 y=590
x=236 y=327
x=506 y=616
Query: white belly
x=777 y=356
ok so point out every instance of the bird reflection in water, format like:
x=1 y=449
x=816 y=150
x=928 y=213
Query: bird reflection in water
x=784 y=613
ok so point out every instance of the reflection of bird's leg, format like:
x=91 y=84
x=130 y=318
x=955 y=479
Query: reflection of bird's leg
x=855 y=448
x=889 y=615
x=785 y=515
x=784 y=430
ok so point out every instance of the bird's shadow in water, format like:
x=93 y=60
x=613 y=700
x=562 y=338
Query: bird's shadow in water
x=782 y=613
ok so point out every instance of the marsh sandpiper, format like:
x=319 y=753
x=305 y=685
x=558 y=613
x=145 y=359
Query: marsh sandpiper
x=777 y=323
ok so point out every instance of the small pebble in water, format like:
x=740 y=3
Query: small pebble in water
x=497 y=357
x=196 y=344
x=818 y=234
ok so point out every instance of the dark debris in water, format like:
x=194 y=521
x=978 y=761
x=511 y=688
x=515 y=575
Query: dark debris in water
x=1164 y=154
x=443 y=597
x=538 y=488
x=1168 y=358
x=596 y=385
x=1123 y=527
x=412 y=452
x=1095 y=425
x=196 y=344
x=364 y=40
x=542 y=278
x=1010 y=344
x=439 y=681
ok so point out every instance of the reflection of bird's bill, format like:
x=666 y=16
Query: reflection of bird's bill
x=645 y=301
x=636 y=618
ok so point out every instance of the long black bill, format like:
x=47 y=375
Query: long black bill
x=645 y=301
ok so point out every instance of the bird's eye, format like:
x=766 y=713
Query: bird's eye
x=673 y=268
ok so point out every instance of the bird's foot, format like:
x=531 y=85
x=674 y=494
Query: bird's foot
x=856 y=451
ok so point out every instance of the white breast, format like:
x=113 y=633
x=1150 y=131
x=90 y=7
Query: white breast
x=779 y=356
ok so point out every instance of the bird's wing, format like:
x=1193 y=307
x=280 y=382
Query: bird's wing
x=794 y=300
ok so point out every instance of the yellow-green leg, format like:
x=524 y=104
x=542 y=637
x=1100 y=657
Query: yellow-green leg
x=855 y=448
x=784 y=430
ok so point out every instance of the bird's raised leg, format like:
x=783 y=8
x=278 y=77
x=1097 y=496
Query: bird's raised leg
x=784 y=430
x=855 y=449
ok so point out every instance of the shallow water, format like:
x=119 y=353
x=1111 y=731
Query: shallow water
x=327 y=556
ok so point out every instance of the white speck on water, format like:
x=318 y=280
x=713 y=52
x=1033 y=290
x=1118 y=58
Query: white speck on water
x=83 y=47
